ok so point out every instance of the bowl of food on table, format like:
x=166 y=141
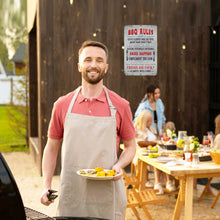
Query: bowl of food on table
x=168 y=145
x=215 y=154
x=146 y=143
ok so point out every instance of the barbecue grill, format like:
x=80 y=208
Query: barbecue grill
x=11 y=204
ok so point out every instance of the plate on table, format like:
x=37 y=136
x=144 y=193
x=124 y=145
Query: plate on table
x=205 y=158
x=164 y=159
x=146 y=143
x=92 y=174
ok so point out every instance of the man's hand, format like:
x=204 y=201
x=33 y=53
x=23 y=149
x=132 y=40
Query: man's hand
x=118 y=170
x=48 y=167
x=44 y=199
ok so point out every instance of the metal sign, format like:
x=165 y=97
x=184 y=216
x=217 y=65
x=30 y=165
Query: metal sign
x=140 y=50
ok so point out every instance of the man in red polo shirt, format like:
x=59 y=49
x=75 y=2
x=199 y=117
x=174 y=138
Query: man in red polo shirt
x=90 y=122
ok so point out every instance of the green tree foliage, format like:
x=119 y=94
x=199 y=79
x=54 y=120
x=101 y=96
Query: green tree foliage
x=13 y=32
x=13 y=23
x=3 y=53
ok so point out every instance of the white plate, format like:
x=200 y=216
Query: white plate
x=94 y=177
x=180 y=162
x=174 y=163
x=164 y=159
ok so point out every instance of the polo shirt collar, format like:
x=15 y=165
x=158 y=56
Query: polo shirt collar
x=101 y=97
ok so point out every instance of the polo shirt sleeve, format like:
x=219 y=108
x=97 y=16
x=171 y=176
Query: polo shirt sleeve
x=56 y=126
x=126 y=130
x=55 y=129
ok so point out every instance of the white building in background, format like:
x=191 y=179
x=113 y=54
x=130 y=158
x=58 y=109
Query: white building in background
x=5 y=84
x=8 y=84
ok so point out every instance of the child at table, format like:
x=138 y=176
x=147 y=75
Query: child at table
x=144 y=132
x=169 y=125
x=143 y=128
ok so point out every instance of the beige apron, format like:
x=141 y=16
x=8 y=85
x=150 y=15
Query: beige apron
x=90 y=142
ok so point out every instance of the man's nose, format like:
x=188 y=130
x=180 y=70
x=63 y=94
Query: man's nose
x=93 y=63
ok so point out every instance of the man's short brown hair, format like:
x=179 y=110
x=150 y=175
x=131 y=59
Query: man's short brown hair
x=90 y=43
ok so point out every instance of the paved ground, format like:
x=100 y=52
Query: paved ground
x=30 y=185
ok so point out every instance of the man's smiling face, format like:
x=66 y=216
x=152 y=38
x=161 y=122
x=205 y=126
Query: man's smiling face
x=93 y=64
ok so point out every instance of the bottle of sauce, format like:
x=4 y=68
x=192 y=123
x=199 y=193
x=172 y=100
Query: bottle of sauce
x=186 y=150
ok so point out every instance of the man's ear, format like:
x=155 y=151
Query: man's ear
x=106 y=68
x=79 y=67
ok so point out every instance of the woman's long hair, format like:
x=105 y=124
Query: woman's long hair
x=217 y=125
x=142 y=120
x=150 y=90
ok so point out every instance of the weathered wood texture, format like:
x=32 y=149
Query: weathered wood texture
x=182 y=74
x=214 y=79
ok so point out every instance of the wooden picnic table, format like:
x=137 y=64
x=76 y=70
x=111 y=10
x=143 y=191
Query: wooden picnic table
x=184 y=174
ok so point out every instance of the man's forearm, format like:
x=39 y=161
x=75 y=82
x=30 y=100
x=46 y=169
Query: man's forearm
x=128 y=153
x=49 y=162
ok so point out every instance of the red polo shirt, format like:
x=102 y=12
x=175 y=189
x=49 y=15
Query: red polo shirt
x=95 y=107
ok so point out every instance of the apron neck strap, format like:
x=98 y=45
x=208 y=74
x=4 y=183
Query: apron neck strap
x=113 y=110
x=73 y=99
x=111 y=106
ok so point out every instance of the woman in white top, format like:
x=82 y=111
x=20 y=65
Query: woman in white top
x=215 y=142
x=144 y=132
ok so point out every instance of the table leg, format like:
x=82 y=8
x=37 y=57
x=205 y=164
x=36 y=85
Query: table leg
x=142 y=167
x=189 y=198
x=205 y=189
x=180 y=200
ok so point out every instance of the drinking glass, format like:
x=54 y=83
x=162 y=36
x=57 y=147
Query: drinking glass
x=205 y=140
x=160 y=134
x=165 y=137
x=195 y=162
x=187 y=143
x=187 y=140
x=187 y=159
x=181 y=135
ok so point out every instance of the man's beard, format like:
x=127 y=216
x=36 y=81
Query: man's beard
x=95 y=80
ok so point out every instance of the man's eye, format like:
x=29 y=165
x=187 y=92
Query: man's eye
x=87 y=60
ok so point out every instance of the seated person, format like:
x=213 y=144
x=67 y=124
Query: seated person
x=144 y=132
x=215 y=144
x=143 y=128
x=169 y=125
x=169 y=129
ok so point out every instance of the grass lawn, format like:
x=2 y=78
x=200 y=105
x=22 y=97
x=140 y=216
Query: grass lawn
x=9 y=140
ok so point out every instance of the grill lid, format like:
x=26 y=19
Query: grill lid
x=12 y=207
x=35 y=215
x=10 y=199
